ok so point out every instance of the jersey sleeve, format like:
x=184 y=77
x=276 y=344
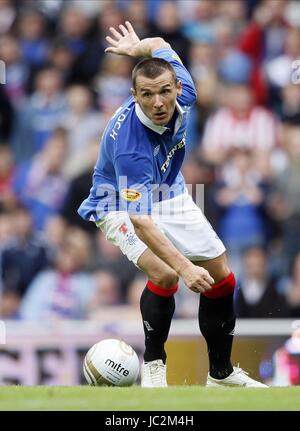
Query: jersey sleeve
x=189 y=93
x=134 y=178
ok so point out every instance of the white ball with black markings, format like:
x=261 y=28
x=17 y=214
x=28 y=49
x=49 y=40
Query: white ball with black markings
x=111 y=362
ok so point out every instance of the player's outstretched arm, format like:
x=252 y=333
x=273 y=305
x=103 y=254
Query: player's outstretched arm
x=126 y=42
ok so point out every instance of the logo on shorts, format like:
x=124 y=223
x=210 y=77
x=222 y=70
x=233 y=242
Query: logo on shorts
x=176 y=147
x=131 y=238
x=131 y=195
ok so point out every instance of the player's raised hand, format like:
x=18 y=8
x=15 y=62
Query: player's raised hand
x=124 y=40
x=197 y=278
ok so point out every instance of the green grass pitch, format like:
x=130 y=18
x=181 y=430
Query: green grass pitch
x=193 y=398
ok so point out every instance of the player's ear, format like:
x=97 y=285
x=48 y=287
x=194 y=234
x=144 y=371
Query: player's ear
x=133 y=92
x=179 y=87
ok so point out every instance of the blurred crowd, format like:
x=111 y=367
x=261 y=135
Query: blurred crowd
x=243 y=144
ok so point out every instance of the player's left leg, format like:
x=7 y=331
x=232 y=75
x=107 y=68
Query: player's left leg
x=217 y=317
x=185 y=225
x=217 y=321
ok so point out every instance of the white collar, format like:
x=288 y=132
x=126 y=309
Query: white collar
x=159 y=129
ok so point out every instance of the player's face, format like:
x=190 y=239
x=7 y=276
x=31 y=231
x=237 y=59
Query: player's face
x=157 y=97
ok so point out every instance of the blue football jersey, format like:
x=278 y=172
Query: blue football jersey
x=139 y=162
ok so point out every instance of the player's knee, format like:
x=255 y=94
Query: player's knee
x=166 y=279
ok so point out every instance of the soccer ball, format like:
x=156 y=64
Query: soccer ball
x=111 y=362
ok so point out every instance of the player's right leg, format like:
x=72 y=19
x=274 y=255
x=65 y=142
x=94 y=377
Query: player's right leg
x=157 y=302
x=157 y=308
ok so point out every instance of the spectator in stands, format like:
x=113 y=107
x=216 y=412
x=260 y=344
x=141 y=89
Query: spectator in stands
x=111 y=15
x=75 y=29
x=7 y=168
x=8 y=302
x=32 y=34
x=74 y=26
x=240 y=124
x=284 y=202
x=240 y=198
x=136 y=11
x=290 y=286
x=53 y=234
x=7 y=16
x=257 y=296
x=234 y=12
x=278 y=70
x=263 y=40
x=64 y=291
x=167 y=25
x=202 y=60
x=6 y=229
x=107 y=294
x=40 y=183
x=22 y=259
x=84 y=125
x=289 y=109
x=62 y=59
x=197 y=16
x=109 y=304
x=41 y=114
x=113 y=83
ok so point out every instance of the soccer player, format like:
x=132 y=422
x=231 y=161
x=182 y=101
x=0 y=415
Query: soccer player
x=139 y=201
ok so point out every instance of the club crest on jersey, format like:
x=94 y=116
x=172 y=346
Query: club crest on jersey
x=131 y=195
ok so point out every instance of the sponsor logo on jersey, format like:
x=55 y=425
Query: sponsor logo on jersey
x=176 y=147
x=131 y=195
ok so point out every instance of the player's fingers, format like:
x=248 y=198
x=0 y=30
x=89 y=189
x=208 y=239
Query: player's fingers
x=209 y=279
x=111 y=41
x=112 y=50
x=116 y=34
x=205 y=285
x=199 y=287
x=123 y=30
x=129 y=27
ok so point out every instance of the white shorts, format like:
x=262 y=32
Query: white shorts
x=180 y=219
